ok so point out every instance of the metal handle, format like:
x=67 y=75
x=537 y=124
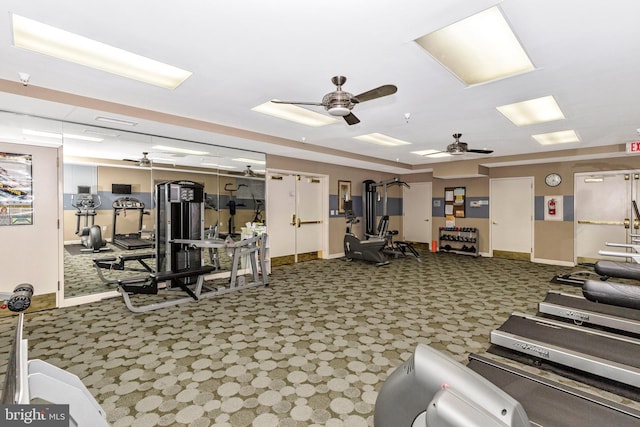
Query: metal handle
x=605 y=222
x=293 y=220
x=636 y=223
x=627 y=223
x=307 y=222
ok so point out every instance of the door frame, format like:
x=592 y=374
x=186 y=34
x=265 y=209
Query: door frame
x=324 y=182
x=634 y=187
x=531 y=180
x=428 y=213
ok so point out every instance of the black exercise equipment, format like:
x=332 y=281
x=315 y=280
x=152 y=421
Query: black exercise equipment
x=618 y=294
x=583 y=311
x=119 y=263
x=392 y=248
x=604 y=359
x=355 y=248
x=179 y=251
x=90 y=234
x=130 y=240
x=232 y=204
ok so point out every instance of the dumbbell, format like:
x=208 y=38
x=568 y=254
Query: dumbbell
x=20 y=300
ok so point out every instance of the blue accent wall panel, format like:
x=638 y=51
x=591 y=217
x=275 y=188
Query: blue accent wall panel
x=333 y=205
x=437 y=207
x=481 y=211
x=567 y=206
x=538 y=208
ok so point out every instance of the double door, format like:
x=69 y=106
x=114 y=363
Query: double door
x=605 y=213
x=295 y=215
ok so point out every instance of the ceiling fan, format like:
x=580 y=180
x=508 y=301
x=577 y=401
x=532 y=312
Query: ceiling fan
x=144 y=161
x=340 y=103
x=461 y=147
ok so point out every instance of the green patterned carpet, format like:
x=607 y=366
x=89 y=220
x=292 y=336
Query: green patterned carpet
x=312 y=349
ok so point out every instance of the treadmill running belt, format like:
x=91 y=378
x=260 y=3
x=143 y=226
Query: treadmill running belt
x=585 y=304
x=616 y=350
x=548 y=403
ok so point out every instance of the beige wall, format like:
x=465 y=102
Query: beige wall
x=553 y=239
x=335 y=173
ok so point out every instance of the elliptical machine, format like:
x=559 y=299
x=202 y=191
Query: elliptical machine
x=90 y=235
x=354 y=248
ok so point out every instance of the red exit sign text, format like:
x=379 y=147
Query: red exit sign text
x=633 y=147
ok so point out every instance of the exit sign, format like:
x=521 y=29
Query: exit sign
x=633 y=147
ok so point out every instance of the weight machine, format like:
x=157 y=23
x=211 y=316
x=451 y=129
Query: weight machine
x=179 y=251
x=393 y=248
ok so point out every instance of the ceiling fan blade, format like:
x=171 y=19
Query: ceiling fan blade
x=351 y=119
x=469 y=150
x=320 y=104
x=378 y=92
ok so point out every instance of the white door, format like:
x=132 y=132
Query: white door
x=512 y=215
x=31 y=237
x=281 y=208
x=416 y=209
x=308 y=230
x=295 y=214
x=604 y=213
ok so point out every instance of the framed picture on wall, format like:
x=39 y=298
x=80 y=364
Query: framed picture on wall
x=344 y=194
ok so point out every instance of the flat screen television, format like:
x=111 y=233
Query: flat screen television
x=121 y=188
x=84 y=189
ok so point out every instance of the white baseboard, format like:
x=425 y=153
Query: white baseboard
x=334 y=256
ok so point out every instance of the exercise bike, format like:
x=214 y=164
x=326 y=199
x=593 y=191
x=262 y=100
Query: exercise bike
x=354 y=248
x=90 y=235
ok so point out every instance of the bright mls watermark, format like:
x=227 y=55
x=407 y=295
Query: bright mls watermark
x=34 y=415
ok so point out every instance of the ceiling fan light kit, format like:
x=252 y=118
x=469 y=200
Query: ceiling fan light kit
x=340 y=103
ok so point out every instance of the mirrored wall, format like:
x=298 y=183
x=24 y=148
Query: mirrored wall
x=109 y=181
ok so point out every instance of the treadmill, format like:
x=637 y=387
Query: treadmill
x=581 y=310
x=606 y=360
x=129 y=241
x=549 y=403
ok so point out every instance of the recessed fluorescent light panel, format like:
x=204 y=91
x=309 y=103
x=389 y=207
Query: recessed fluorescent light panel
x=539 y=110
x=115 y=121
x=179 y=150
x=294 y=114
x=425 y=152
x=245 y=160
x=61 y=44
x=478 y=49
x=380 y=139
x=438 y=155
x=32 y=132
x=562 y=137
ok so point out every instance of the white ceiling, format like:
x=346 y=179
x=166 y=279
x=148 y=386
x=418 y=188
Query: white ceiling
x=246 y=52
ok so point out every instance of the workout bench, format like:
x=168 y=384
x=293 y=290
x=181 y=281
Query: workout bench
x=119 y=263
x=253 y=248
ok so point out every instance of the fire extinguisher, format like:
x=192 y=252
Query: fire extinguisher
x=551 y=206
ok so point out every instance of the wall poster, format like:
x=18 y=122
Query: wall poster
x=16 y=189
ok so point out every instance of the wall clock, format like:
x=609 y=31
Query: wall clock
x=553 y=180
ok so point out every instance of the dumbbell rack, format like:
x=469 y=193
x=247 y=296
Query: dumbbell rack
x=459 y=240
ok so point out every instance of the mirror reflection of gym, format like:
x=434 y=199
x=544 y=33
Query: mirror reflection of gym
x=122 y=194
